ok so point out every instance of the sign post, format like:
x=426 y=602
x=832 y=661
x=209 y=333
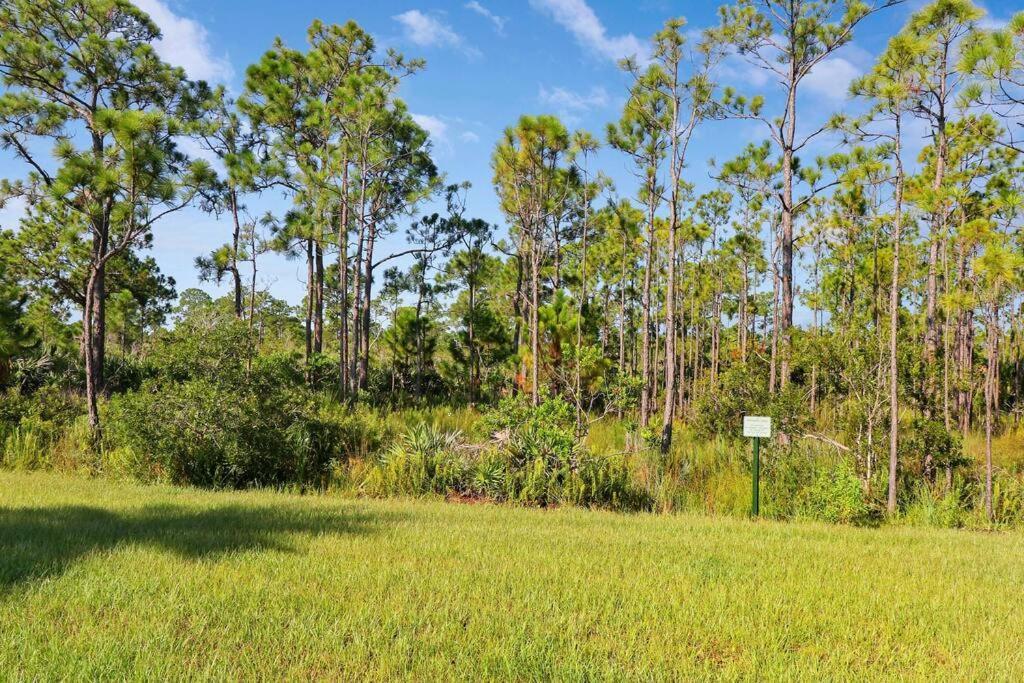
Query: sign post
x=756 y=427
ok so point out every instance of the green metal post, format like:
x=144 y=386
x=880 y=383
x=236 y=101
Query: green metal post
x=755 y=502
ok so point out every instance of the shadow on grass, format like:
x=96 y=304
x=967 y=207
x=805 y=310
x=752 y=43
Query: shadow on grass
x=39 y=542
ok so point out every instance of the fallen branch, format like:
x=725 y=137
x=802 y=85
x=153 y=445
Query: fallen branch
x=831 y=442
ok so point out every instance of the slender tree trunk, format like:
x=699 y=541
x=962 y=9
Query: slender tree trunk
x=517 y=311
x=785 y=320
x=894 y=320
x=535 y=320
x=668 y=413
x=318 y=298
x=474 y=368
x=645 y=350
x=252 y=312
x=357 y=307
x=773 y=382
x=946 y=351
x=681 y=352
x=364 y=363
x=743 y=314
x=579 y=323
x=938 y=228
x=343 y=376
x=623 y=323
x=308 y=322
x=88 y=354
x=716 y=335
x=235 y=275
x=991 y=377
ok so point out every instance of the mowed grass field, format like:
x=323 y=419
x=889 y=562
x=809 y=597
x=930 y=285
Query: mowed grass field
x=111 y=580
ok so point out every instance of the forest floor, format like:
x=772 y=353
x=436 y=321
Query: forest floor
x=100 y=579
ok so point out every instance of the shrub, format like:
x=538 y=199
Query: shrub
x=743 y=390
x=211 y=434
x=546 y=464
x=421 y=462
x=536 y=460
x=836 y=496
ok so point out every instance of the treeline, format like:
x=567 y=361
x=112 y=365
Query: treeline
x=658 y=305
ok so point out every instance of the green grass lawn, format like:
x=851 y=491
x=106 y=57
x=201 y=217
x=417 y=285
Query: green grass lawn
x=111 y=580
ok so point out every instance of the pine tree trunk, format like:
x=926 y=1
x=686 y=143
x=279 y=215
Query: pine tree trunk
x=318 y=299
x=364 y=363
x=343 y=377
x=645 y=349
x=308 y=320
x=894 y=318
x=668 y=412
x=991 y=377
x=235 y=235
x=535 y=320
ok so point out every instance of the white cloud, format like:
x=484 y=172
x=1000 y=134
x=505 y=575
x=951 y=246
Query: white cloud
x=185 y=43
x=989 y=21
x=443 y=131
x=578 y=18
x=567 y=100
x=12 y=212
x=428 y=31
x=435 y=127
x=193 y=149
x=831 y=78
x=498 y=21
x=734 y=68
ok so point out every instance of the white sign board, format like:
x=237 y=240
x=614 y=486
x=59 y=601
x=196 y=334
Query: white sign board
x=757 y=426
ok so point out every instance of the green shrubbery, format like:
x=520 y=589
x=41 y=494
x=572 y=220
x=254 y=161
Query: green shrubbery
x=208 y=416
x=199 y=408
x=534 y=458
x=836 y=495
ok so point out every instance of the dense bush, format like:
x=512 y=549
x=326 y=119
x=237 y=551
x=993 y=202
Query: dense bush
x=743 y=390
x=534 y=459
x=836 y=495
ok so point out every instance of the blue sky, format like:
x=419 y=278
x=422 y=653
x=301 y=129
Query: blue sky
x=488 y=62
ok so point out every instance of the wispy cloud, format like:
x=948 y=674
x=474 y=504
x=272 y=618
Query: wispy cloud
x=12 y=212
x=446 y=131
x=498 y=21
x=429 y=31
x=435 y=127
x=831 y=78
x=734 y=70
x=579 y=19
x=185 y=43
x=570 y=105
x=990 y=21
x=569 y=100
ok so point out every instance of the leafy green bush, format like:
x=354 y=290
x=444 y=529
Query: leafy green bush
x=207 y=433
x=836 y=496
x=743 y=390
x=546 y=464
x=421 y=462
x=535 y=460
x=929 y=438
